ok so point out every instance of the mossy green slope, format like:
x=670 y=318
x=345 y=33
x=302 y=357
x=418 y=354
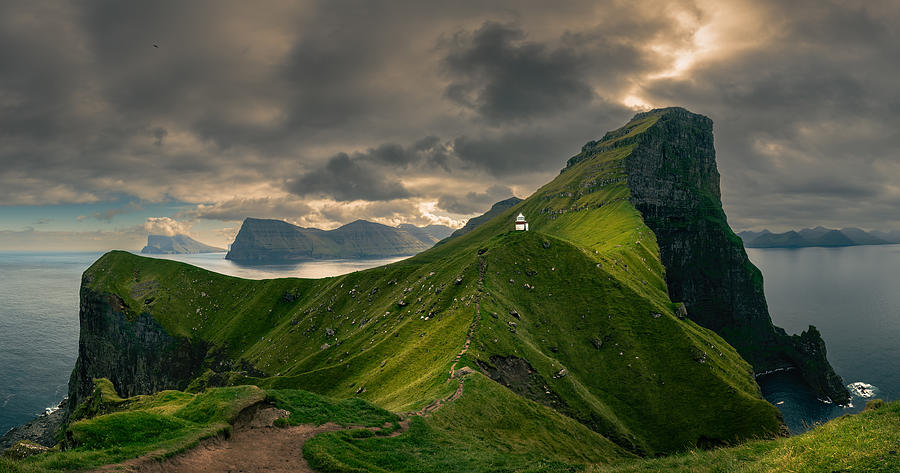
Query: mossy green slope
x=596 y=333
x=109 y=429
x=488 y=429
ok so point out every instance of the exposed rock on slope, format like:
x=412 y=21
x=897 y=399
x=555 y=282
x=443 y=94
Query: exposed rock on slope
x=674 y=183
x=174 y=245
x=262 y=240
x=41 y=430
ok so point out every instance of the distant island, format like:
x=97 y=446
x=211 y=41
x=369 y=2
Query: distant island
x=819 y=236
x=176 y=245
x=267 y=241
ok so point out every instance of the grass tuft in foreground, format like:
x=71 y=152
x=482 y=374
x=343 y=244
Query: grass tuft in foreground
x=111 y=429
x=866 y=442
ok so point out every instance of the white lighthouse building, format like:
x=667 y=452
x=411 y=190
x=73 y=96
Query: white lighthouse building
x=521 y=224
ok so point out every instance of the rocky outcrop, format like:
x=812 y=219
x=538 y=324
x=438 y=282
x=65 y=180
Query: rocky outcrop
x=674 y=183
x=520 y=377
x=272 y=241
x=25 y=449
x=176 y=245
x=40 y=431
x=130 y=349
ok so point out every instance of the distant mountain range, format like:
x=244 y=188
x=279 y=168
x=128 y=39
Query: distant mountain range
x=819 y=236
x=265 y=241
x=176 y=245
x=429 y=234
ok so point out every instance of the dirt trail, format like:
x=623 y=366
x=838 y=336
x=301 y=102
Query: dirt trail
x=256 y=446
x=269 y=449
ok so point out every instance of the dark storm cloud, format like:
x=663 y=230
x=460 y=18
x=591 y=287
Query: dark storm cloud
x=474 y=202
x=378 y=107
x=239 y=209
x=373 y=175
x=235 y=94
x=502 y=76
x=346 y=178
x=509 y=154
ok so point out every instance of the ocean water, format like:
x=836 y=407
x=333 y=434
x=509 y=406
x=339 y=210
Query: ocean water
x=852 y=295
x=39 y=319
x=38 y=330
x=308 y=269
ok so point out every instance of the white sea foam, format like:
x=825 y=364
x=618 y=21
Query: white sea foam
x=52 y=409
x=863 y=390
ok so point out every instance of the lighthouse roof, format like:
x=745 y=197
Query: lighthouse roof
x=520 y=218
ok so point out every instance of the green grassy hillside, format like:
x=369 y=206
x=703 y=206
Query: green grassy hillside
x=108 y=429
x=574 y=315
x=869 y=442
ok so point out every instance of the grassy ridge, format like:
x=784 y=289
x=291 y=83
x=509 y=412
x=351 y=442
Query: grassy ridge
x=869 y=441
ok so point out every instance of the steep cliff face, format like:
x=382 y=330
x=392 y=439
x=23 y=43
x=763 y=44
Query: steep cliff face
x=270 y=240
x=674 y=183
x=132 y=350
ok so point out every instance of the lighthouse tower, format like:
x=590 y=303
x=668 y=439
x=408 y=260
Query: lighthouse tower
x=521 y=224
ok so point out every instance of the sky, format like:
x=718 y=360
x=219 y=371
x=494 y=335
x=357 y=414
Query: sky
x=123 y=118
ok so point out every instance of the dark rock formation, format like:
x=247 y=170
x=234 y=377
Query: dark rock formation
x=24 y=449
x=674 y=183
x=178 y=244
x=41 y=430
x=520 y=377
x=272 y=241
x=131 y=350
